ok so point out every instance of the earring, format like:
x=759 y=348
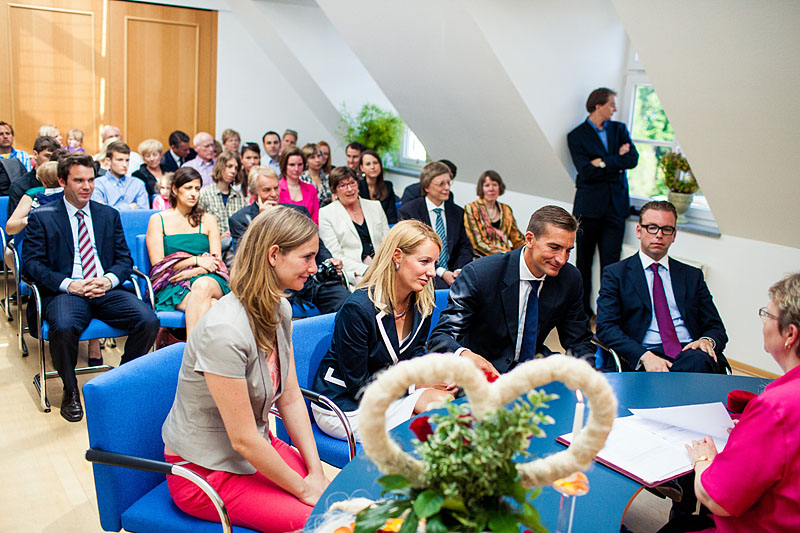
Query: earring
x=397 y=266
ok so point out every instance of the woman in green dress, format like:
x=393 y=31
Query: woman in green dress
x=184 y=248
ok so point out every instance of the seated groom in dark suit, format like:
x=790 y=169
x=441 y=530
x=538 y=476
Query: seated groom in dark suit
x=75 y=251
x=502 y=307
x=327 y=295
x=660 y=322
x=446 y=219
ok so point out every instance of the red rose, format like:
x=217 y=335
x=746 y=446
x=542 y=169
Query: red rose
x=490 y=377
x=421 y=428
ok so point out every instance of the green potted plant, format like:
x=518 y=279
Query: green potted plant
x=375 y=128
x=680 y=180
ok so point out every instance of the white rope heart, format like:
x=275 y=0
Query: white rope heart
x=485 y=397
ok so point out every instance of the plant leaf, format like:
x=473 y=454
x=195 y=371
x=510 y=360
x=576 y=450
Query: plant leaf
x=428 y=503
x=393 y=482
x=435 y=525
x=410 y=523
x=531 y=518
x=504 y=523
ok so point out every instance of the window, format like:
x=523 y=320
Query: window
x=653 y=136
x=413 y=154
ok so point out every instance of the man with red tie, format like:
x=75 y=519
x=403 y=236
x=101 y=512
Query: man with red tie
x=75 y=251
x=655 y=312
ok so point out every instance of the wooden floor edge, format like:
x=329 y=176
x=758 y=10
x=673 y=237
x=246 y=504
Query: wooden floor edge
x=752 y=370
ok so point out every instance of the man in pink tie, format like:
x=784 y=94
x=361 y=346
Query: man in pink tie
x=75 y=251
x=656 y=312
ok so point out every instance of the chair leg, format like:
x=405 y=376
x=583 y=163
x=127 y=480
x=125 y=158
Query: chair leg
x=40 y=379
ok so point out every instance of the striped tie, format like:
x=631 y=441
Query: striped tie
x=85 y=246
x=444 y=257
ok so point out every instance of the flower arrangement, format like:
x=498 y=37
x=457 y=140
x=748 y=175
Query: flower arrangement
x=678 y=175
x=472 y=470
x=472 y=483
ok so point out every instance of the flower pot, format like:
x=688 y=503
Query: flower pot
x=681 y=201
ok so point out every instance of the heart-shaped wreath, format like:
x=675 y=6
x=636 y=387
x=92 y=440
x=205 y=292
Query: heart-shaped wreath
x=417 y=497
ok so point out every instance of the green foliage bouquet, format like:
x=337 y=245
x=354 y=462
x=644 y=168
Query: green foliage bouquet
x=678 y=175
x=471 y=481
x=375 y=128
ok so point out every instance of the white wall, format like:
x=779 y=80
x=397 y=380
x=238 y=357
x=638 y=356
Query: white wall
x=727 y=74
x=543 y=46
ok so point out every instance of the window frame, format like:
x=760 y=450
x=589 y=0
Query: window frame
x=699 y=213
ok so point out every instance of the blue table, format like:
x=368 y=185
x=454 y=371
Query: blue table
x=602 y=509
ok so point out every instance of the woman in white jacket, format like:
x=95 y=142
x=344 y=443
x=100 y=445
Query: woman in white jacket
x=352 y=228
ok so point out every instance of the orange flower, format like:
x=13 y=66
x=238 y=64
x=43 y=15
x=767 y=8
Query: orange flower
x=392 y=525
x=575 y=485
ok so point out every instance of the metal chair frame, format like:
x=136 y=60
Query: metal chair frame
x=40 y=379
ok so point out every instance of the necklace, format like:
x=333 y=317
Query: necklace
x=401 y=315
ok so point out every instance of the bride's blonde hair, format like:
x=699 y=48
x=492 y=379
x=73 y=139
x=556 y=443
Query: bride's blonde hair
x=380 y=277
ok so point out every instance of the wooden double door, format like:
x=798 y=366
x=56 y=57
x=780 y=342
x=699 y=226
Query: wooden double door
x=148 y=69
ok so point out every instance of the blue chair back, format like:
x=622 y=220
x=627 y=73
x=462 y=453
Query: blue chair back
x=311 y=338
x=125 y=409
x=141 y=259
x=441 y=303
x=3 y=214
x=134 y=223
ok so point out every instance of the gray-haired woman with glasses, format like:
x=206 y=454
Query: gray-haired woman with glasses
x=754 y=483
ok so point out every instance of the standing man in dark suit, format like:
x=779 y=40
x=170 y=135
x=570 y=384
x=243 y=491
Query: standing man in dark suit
x=446 y=219
x=502 y=307
x=179 y=151
x=327 y=295
x=601 y=151
x=660 y=322
x=75 y=251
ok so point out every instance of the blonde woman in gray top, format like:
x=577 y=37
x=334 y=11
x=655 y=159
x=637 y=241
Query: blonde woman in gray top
x=238 y=363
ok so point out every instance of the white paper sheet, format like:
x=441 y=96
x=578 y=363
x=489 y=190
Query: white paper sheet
x=651 y=444
x=706 y=418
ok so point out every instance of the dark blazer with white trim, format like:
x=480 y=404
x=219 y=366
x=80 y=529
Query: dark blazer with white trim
x=364 y=342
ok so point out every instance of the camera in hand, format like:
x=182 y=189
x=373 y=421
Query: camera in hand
x=327 y=272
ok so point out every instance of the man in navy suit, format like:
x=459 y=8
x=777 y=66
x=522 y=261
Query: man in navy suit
x=502 y=307
x=446 y=219
x=687 y=335
x=601 y=151
x=75 y=251
x=179 y=151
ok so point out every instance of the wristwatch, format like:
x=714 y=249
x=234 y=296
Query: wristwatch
x=699 y=459
x=602 y=164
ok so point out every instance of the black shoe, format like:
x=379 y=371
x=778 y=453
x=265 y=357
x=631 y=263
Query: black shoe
x=95 y=361
x=71 y=408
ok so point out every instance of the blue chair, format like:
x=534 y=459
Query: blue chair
x=134 y=223
x=300 y=311
x=125 y=410
x=97 y=329
x=141 y=260
x=4 y=241
x=440 y=304
x=605 y=358
x=311 y=339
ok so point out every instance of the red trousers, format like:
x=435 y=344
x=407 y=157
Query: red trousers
x=252 y=501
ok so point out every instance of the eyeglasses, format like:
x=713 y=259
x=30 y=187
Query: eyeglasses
x=347 y=185
x=763 y=313
x=665 y=230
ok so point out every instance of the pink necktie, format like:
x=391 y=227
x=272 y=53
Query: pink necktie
x=85 y=246
x=669 y=339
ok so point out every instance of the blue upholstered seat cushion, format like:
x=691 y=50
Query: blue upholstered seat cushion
x=156 y=512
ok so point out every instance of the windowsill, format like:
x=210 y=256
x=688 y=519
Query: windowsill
x=699 y=220
x=403 y=171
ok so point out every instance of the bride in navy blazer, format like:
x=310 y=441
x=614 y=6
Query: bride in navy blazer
x=386 y=320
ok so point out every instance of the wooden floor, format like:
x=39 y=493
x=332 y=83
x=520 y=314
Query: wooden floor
x=47 y=486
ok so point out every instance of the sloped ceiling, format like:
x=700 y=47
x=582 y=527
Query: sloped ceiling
x=434 y=64
x=728 y=75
